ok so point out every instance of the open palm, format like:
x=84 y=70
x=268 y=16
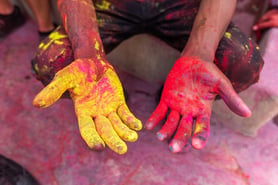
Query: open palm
x=100 y=107
x=189 y=92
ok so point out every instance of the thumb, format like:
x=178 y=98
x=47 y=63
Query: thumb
x=54 y=90
x=232 y=99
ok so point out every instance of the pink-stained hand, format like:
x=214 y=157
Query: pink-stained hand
x=103 y=116
x=268 y=20
x=189 y=92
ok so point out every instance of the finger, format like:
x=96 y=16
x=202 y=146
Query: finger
x=158 y=114
x=201 y=132
x=53 y=91
x=170 y=126
x=264 y=18
x=183 y=134
x=110 y=137
x=128 y=118
x=268 y=15
x=89 y=134
x=122 y=130
x=232 y=100
x=264 y=25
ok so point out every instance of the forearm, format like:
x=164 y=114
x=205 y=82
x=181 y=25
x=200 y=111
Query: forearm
x=80 y=23
x=209 y=26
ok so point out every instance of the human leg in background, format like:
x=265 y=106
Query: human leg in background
x=42 y=13
x=6 y=7
x=10 y=17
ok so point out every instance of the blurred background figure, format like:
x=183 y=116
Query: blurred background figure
x=11 y=17
x=12 y=173
x=268 y=20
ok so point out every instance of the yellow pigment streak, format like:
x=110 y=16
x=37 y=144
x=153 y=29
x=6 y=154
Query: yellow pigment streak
x=103 y=63
x=97 y=45
x=228 y=35
x=104 y=5
x=54 y=38
x=199 y=128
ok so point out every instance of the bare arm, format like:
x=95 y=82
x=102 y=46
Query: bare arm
x=80 y=23
x=209 y=26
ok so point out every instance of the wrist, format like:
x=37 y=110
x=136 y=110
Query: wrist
x=93 y=66
x=90 y=47
x=202 y=45
x=205 y=54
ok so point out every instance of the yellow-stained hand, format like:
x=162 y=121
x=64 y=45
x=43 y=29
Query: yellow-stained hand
x=100 y=107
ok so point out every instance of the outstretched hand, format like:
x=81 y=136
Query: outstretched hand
x=100 y=107
x=189 y=92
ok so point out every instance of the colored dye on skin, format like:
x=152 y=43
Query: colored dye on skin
x=97 y=100
x=202 y=82
x=97 y=45
x=199 y=128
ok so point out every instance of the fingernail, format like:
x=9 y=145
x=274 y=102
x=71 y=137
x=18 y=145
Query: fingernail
x=175 y=146
x=135 y=126
x=121 y=149
x=98 y=147
x=198 y=143
x=171 y=148
x=246 y=111
x=39 y=104
x=148 y=125
x=160 y=136
x=138 y=125
x=132 y=137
